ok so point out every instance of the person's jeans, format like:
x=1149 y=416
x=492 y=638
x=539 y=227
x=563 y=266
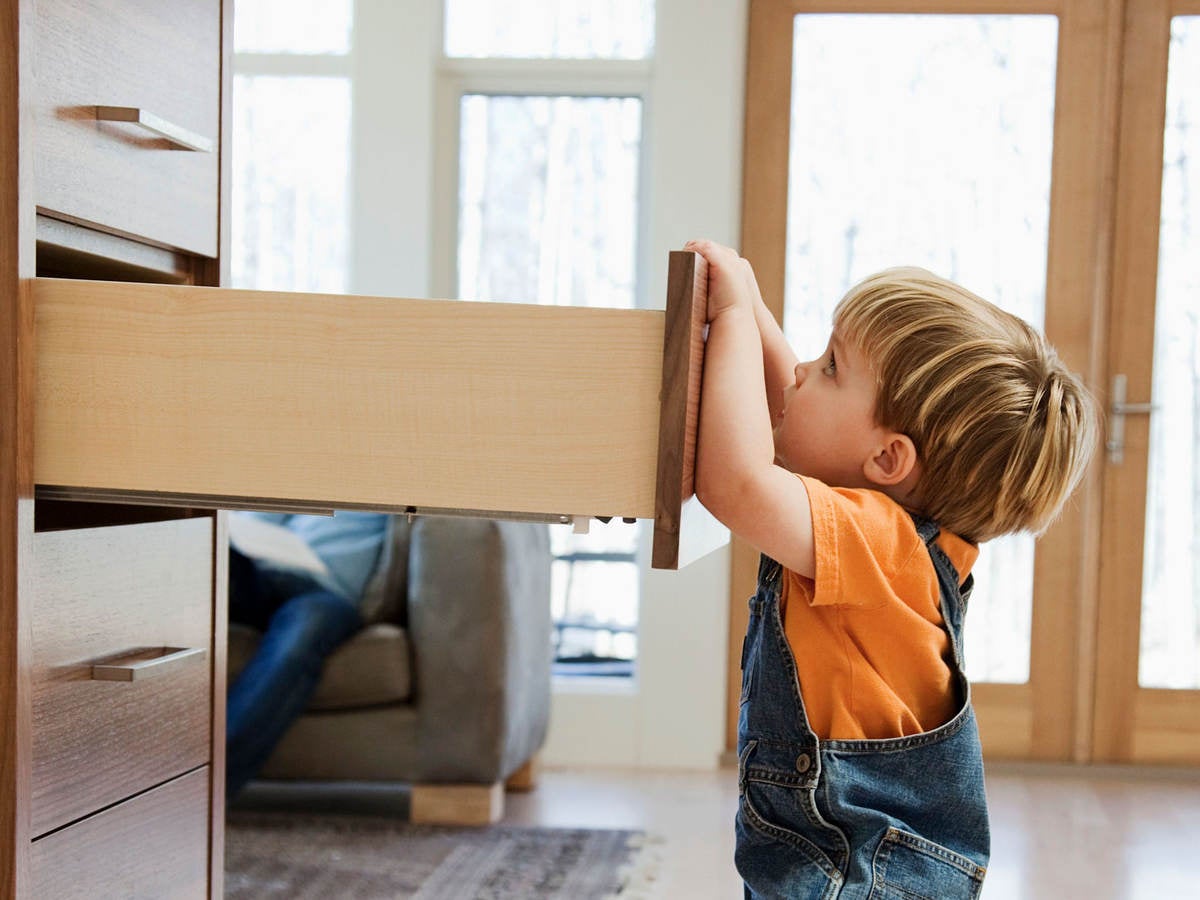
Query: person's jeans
x=273 y=690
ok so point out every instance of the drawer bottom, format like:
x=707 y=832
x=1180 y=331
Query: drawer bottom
x=153 y=846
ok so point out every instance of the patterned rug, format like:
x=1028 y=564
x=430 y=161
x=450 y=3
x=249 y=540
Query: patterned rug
x=334 y=856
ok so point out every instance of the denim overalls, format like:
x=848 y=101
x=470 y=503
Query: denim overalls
x=854 y=819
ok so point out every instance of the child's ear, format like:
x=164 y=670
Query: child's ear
x=893 y=461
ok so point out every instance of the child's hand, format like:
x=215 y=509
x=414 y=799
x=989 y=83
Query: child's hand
x=731 y=281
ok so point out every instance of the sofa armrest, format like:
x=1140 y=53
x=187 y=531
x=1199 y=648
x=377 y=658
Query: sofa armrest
x=479 y=624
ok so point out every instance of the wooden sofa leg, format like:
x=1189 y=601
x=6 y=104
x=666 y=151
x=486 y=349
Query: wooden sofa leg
x=457 y=804
x=526 y=777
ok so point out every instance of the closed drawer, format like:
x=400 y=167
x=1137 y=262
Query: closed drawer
x=153 y=846
x=161 y=58
x=99 y=594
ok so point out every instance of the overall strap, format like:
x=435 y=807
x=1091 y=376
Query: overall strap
x=928 y=530
x=954 y=592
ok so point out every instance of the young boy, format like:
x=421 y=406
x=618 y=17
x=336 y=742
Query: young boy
x=866 y=478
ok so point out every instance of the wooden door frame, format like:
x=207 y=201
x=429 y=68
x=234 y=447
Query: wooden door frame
x=1050 y=717
x=1134 y=724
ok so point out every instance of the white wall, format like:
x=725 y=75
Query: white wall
x=394 y=66
x=673 y=715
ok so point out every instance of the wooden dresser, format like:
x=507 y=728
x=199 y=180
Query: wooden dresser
x=113 y=167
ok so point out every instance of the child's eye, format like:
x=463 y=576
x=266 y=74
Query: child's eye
x=831 y=367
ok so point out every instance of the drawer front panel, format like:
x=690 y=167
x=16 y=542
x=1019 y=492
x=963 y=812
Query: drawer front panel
x=100 y=593
x=161 y=58
x=153 y=846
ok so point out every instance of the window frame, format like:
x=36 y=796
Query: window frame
x=456 y=77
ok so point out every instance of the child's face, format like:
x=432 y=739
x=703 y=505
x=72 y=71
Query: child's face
x=827 y=429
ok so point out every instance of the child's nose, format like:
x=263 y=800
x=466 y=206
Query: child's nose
x=800 y=370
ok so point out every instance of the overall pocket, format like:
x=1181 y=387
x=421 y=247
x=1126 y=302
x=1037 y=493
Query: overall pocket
x=776 y=862
x=909 y=867
x=778 y=854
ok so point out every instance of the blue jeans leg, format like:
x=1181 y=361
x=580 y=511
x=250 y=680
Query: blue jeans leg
x=276 y=685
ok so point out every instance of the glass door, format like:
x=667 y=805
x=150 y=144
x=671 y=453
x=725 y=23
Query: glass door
x=1148 y=688
x=967 y=138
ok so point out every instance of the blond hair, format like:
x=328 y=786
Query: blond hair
x=1003 y=430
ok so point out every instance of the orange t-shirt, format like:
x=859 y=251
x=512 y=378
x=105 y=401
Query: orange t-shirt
x=872 y=655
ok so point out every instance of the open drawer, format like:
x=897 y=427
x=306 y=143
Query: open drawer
x=229 y=398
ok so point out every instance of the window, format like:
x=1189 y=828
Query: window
x=547 y=101
x=1170 y=618
x=291 y=145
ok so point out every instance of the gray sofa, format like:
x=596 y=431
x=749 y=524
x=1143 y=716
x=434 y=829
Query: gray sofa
x=449 y=683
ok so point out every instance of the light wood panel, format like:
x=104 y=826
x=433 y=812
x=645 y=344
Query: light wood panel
x=525 y=778
x=1005 y=715
x=1135 y=277
x=154 y=845
x=456 y=804
x=1163 y=729
x=167 y=393
x=347 y=401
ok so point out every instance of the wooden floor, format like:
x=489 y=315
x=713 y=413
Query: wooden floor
x=1058 y=833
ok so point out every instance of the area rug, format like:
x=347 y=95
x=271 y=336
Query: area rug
x=334 y=856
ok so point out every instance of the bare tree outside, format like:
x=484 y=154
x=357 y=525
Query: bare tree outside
x=291 y=220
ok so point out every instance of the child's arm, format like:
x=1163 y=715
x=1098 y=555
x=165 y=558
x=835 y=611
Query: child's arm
x=736 y=476
x=779 y=362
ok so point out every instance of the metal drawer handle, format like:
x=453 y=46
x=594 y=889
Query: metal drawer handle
x=171 y=658
x=181 y=137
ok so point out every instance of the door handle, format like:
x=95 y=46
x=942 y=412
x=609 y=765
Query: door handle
x=1116 y=418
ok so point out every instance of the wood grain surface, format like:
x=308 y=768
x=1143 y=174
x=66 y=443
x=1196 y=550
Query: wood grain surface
x=347 y=401
x=683 y=529
x=102 y=593
x=154 y=845
x=16 y=438
x=164 y=58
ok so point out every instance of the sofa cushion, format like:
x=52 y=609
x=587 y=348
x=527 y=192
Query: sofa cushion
x=385 y=595
x=370 y=669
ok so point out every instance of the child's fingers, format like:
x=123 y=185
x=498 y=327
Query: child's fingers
x=715 y=253
x=724 y=257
